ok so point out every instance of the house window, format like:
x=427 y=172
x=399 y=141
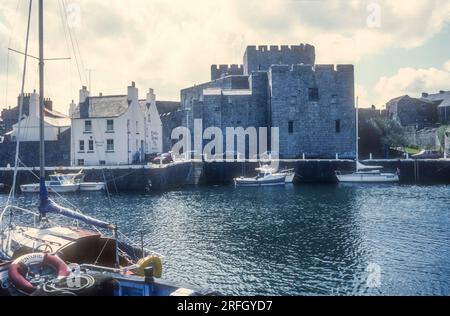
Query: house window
x=88 y=126
x=80 y=162
x=81 y=145
x=137 y=127
x=110 y=126
x=110 y=145
x=102 y=163
x=338 y=126
x=313 y=94
x=291 y=127
x=91 y=146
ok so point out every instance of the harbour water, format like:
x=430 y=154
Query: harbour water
x=303 y=240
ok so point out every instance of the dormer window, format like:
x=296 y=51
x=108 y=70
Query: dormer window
x=88 y=126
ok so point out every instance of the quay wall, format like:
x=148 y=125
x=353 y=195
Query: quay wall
x=152 y=179
x=423 y=172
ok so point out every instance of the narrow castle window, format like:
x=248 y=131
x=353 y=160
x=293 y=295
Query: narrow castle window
x=313 y=94
x=338 y=126
x=291 y=127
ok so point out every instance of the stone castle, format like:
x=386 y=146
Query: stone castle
x=312 y=105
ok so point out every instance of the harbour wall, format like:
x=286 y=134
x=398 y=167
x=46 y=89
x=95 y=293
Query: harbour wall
x=181 y=174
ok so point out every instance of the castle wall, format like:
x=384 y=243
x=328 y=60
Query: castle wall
x=314 y=122
x=219 y=71
x=262 y=57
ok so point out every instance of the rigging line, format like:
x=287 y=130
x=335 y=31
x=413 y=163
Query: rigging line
x=67 y=44
x=78 y=47
x=76 y=208
x=72 y=43
x=8 y=54
x=16 y=162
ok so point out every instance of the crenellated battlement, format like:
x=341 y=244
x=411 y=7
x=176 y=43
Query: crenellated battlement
x=302 y=68
x=261 y=58
x=218 y=71
x=283 y=48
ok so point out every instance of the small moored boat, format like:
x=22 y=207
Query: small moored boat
x=265 y=177
x=57 y=184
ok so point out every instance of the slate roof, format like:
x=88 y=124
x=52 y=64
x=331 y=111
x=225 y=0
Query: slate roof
x=104 y=106
x=443 y=98
x=165 y=107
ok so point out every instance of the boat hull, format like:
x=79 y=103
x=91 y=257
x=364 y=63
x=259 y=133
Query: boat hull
x=368 y=178
x=262 y=182
x=35 y=188
x=92 y=186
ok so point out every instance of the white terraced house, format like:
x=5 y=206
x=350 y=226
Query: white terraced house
x=114 y=130
x=55 y=123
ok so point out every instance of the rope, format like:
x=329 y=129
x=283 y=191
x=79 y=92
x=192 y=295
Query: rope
x=13 y=189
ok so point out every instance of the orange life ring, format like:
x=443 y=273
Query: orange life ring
x=20 y=268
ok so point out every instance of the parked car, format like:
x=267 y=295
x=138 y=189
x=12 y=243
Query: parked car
x=163 y=159
x=267 y=155
x=428 y=154
x=151 y=157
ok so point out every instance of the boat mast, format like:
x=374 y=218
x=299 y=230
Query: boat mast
x=43 y=189
x=357 y=133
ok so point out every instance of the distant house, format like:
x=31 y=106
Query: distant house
x=9 y=116
x=115 y=130
x=54 y=123
x=442 y=99
x=413 y=112
x=171 y=118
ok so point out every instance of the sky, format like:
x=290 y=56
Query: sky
x=398 y=47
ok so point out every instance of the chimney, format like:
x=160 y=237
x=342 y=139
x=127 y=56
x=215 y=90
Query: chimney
x=424 y=95
x=441 y=92
x=151 y=97
x=100 y=94
x=72 y=108
x=84 y=94
x=34 y=104
x=133 y=94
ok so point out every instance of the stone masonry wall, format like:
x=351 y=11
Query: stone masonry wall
x=261 y=58
x=314 y=122
x=220 y=71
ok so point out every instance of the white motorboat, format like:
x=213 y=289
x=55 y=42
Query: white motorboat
x=363 y=173
x=290 y=175
x=265 y=178
x=92 y=186
x=78 y=178
x=57 y=184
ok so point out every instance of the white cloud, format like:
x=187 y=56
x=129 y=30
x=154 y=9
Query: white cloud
x=169 y=45
x=413 y=82
x=447 y=65
x=362 y=95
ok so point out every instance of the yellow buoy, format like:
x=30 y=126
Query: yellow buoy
x=150 y=261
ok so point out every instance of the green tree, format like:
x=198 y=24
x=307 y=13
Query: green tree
x=391 y=133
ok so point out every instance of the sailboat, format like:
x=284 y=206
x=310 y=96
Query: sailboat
x=40 y=256
x=364 y=173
